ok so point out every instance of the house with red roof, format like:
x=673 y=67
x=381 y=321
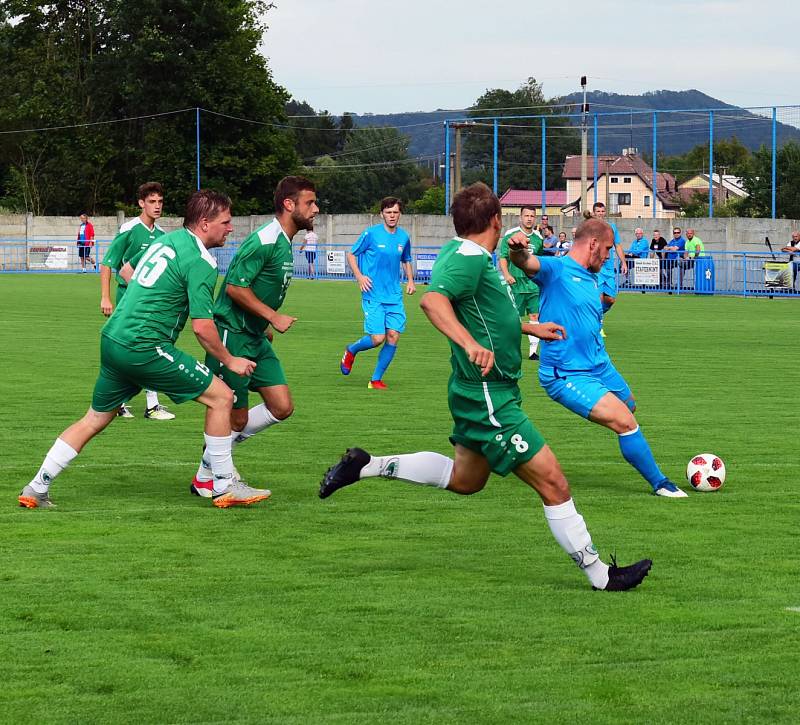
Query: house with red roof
x=514 y=199
x=624 y=185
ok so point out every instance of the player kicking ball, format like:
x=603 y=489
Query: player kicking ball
x=472 y=305
x=174 y=279
x=577 y=371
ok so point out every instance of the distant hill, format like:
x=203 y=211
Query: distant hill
x=677 y=132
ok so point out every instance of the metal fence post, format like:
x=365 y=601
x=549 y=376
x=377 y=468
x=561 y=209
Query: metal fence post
x=446 y=167
x=494 y=157
x=774 y=157
x=595 y=159
x=711 y=165
x=655 y=163
x=544 y=165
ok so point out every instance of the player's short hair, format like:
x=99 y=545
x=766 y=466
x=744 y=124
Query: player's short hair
x=289 y=187
x=473 y=208
x=389 y=201
x=598 y=205
x=205 y=204
x=149 y=187
x=596 y=228
x=529 y=207
x=547 y=227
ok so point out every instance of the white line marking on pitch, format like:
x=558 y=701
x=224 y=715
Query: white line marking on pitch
x=792 y=609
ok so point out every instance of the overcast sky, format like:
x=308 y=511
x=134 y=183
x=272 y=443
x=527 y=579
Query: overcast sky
x=372 y=56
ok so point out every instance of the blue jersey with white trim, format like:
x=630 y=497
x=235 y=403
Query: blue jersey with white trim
x=379 y=253
x=570 y=297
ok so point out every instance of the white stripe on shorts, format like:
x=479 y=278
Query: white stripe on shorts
x=490 y=406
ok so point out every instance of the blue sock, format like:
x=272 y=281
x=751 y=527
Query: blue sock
x=384 y=358
x=636 y=451
x=606 y=306
x=365 y=343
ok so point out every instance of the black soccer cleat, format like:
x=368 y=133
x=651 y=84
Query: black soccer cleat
x=622 y=578
x=345 y=472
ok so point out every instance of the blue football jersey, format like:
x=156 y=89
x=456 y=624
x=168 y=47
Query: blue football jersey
x=379 y=254
x=570 y=297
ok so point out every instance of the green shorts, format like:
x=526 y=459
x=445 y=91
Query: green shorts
x=488 y=419
x=268 y=370
x=527 y=302
x=124 y=372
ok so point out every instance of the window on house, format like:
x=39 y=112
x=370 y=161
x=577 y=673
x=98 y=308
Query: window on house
x=615 y=180
x=646 y=200
x=626 y=180
x=624 y=199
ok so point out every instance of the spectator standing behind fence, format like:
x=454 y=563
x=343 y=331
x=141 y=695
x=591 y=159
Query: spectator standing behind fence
x=85 y=242
x=658 y=244
x=639 y=249
x=676 y=254
x=793 y=248
x=549 y=241
x=694 y=245
x=310 y=246
x=564 y=244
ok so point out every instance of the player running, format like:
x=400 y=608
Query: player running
x=526 y=292
x=376 y=259
x=134 y=236
x=577 y=371
x=470 y=303
x=174 y=280
x=247 y=305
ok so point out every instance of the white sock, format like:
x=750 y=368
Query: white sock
x=56 y=460
x=425 y=468
x=569 y=530
x=258 y=418
x=218 y=455
x=534 y=341
x=152 y=398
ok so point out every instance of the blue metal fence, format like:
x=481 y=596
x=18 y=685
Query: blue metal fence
x=745 y=274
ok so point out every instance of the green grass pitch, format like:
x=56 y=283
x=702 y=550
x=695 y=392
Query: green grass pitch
x=134 y=602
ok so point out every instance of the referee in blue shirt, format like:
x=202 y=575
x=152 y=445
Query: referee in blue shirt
x=577 y=371
x=376 y=259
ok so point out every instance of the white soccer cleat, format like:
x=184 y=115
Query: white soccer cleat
x=159 y=412
x=124 y=412
x=669 y=490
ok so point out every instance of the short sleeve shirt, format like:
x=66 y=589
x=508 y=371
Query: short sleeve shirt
x=610 y=264
x=523 y=283
x=484 y=304
x=379 y=253
x=310 y=242
x=264 y=263
x=695 y=246
x=134 y=236
x=570 y=297
x=174 y=280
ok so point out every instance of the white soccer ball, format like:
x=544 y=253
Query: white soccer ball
x=706 y=472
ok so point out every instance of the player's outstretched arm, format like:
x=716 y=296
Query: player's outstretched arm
x=247 y=300
x=206 y=333
x=439 y=311
x=527 y=262
x=364 y=282
x=547 y=331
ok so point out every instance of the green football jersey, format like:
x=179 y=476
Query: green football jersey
x=264 y=263
x=133 y=237
x=524 y=283
x=174 y=280
x=483 y=303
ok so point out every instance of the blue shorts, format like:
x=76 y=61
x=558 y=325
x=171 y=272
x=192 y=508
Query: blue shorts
x=382 y=316
x=579 y=391
x=607 y=282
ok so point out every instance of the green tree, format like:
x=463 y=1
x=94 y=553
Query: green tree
x=91 y=62
x=431 y=201
x=519 y=139
x=757 y=180
x=731 y=156
x=373 y=163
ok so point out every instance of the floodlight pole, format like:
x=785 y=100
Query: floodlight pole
x=584 y=144
x=197 y=143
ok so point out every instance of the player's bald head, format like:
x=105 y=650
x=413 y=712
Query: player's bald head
x=593 y=229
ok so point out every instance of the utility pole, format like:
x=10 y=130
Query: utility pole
x=457 y=170
x=584 y=144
